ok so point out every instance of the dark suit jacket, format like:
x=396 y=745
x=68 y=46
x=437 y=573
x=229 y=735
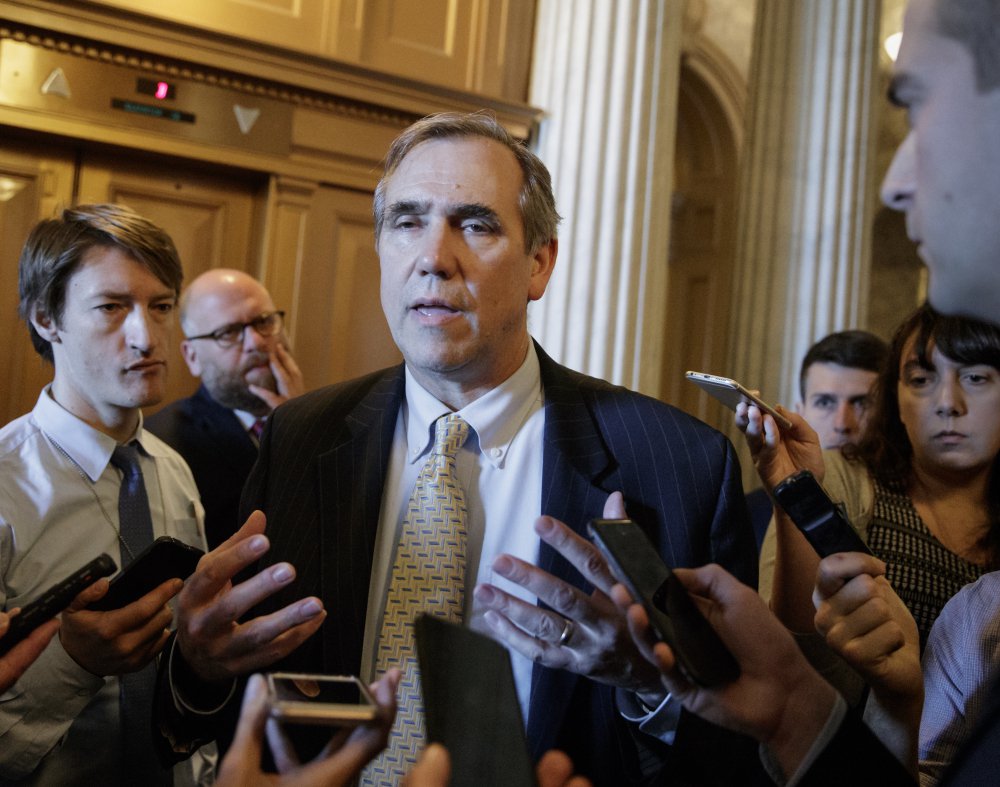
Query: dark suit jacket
x=319 y=479
x=219 y=451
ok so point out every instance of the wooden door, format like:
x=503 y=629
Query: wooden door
x=35 y=180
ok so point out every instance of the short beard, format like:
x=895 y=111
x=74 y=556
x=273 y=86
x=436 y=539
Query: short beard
x=230 y=390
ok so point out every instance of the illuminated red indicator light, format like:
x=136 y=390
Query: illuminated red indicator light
x=157 y=88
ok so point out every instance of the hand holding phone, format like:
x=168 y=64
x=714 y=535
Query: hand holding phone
x=820 y=519
x=55 y=600
x=328 y=700
x=166 y=558
x=732 y=393
x=701 y=655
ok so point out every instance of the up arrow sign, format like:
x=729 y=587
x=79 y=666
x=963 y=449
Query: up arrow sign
x=246 y=117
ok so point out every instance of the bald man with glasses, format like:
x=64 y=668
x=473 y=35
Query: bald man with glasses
x=235 y=342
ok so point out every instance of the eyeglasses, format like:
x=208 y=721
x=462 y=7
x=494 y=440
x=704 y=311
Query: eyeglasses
x=267 y=324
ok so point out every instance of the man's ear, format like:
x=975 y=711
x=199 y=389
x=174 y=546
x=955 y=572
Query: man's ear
x=45 y=326
x=542 y=264
x=190 y=353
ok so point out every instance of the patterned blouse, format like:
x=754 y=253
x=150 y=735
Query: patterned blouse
x=924 y=573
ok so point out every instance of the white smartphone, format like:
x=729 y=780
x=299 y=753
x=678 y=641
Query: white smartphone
x=731 y=393
x=331 y=700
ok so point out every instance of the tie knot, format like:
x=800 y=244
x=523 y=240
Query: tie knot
x=258 y=427
x=450 y=434
x=126 y=458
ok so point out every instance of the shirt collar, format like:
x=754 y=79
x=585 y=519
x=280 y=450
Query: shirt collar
x=495 y=417
x=88 y=447
x=245 y=418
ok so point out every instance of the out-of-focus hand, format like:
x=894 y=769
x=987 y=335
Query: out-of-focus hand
x=778 y=699
x=586 y=634
x=433 y=769
x=14 y=663
x=778 y=454
x=287 y=375
x=341 y=760
x=120 y=640
x=211 y=638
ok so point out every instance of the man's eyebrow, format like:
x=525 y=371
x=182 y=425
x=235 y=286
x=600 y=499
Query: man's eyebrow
x=474 y=210
x=126 y=295
x=408 y=208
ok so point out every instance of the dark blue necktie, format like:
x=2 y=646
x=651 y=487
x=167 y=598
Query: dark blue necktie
x=136 y=689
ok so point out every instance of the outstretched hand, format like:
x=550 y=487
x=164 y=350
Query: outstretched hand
x=209 y=633
x=583 y=633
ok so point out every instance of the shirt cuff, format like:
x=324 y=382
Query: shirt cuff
x=833 y=722
x=660 y=722
x=181 y=678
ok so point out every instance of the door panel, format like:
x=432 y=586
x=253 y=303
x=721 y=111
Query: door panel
x=346 y=334
x=35 y=180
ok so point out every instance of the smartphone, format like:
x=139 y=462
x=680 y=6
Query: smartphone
x=328 y=700
x=821 y=521
x=471 y=705
x=731 y=393
x=55 y=600
x=701 y=655
x=166 y=558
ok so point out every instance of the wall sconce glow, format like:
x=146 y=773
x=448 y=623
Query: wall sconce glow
x=892 y=45
x=10 y=188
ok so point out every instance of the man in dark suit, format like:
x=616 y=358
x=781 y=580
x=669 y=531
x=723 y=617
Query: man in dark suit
x=466 y=235
x=235 y=342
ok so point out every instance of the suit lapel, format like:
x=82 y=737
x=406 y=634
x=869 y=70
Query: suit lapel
x=222 y=428
x=351 y=479
x=578 y=474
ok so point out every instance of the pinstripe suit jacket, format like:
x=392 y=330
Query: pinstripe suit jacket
x=319 y=479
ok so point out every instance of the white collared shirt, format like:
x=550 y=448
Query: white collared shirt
x=500 y=467
x=59 y=510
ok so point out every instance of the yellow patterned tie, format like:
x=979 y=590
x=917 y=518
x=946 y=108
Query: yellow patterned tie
x=428 y=575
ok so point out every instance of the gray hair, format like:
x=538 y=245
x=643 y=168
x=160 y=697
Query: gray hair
x=536 y=203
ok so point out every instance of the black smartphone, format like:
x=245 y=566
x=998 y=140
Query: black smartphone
x=821 y=520
x=701 y=655
x=329 y=700
x=471 y=705
x=55 y=600
x=166 y=558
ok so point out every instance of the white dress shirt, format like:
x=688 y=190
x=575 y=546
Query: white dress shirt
x=500 y=469
x=59 y=510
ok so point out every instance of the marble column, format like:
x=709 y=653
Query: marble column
x=807 y=189
x=605 y=72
